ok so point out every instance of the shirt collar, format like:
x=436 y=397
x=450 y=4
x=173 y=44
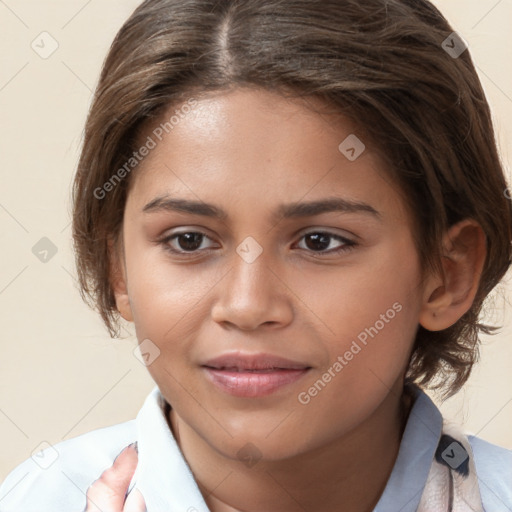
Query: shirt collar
x=167 y=483
x=416 y=453
x=164 y=477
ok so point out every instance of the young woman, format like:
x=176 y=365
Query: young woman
x=301 y=208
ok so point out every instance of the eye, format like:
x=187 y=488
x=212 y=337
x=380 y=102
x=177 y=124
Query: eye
x=187 y=241
x=318 y=241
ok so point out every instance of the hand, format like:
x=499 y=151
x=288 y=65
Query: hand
x=107 y=494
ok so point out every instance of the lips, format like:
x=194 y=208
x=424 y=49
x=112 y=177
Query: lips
x=253 y=362
x=253 y=375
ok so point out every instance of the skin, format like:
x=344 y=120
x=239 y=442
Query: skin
x=248 y=151
x=107 y=494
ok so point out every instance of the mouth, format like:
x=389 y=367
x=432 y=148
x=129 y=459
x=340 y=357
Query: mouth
x=252 y=376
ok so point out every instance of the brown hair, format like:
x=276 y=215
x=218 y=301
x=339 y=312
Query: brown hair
x=380 y=62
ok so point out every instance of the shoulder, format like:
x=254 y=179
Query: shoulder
x=494 y=470
x=58 y=477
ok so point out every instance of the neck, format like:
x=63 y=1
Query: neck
x=348 y=474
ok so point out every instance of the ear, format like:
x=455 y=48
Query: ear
x=118 y=280
x=449 y=296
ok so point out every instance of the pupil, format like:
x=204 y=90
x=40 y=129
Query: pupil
x=192 y=241
x=321 y=241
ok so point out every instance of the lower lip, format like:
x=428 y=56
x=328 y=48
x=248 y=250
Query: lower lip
x=253 y=384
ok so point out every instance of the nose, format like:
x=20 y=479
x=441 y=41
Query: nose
x=253 y=294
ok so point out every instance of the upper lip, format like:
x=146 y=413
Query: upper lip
x=238 y=361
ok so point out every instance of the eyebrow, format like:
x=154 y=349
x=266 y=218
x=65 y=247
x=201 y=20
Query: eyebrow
x=287 y=211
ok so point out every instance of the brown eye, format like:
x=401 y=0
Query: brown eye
x=186 y=242
x=319 y=241
x=189 y=241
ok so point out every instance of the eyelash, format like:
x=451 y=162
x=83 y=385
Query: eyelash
x=348 y=244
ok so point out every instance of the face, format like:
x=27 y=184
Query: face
x=313 y=305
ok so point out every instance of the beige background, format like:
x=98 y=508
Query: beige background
x=61 y=375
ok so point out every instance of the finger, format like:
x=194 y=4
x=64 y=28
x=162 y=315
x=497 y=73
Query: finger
x=135 y=502
x=107 y=494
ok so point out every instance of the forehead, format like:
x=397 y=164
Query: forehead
x=253 y=147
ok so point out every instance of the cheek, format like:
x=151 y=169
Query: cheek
x=377 y=296
x=374 y=318
x=372 y=313
x=164 y=295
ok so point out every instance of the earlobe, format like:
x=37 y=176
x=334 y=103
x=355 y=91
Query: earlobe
x=449 y=296
x=118 y=281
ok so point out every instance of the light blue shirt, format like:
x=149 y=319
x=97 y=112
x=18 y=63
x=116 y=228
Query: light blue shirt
x=57 y=480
